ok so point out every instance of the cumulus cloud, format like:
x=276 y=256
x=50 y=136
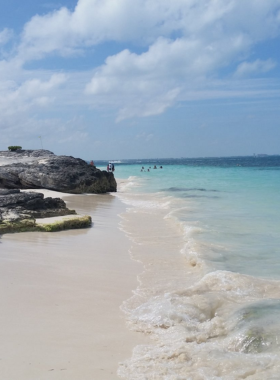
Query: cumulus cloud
x=148 y=83
x=18 y=98
x=25 y=130
x=208 y=37
x=5 y=36
x=145 y=136
x=184 y=44
x=256 y=67
x=144 y=21
x=40 y=102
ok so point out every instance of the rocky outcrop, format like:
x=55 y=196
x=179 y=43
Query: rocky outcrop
x=16 y=206
x=43 y=169
x=21 y=154
x=19 y=212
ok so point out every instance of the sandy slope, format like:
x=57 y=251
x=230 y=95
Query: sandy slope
x=60 y=295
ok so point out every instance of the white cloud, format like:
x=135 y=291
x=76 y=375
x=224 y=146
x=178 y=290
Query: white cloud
x=144 y=21
x=59 y=134
x=210 y=36
x=34 y=103
x=185 y=44
x=256 y=67
x=148 y=83
x=19 y=98
x=145 y=136
x=5 y=36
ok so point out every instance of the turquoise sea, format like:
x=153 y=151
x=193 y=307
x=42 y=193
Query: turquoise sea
x=208 y=234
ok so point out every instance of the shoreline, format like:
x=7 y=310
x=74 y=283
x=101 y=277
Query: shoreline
x=62 y=294
x=187 y=298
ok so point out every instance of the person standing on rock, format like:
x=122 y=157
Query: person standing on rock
x=110 y=167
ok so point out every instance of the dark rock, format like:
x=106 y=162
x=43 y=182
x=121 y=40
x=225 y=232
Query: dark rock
x=16 y=206
x=6 y=192
x=60 y=173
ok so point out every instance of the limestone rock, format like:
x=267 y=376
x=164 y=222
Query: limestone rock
x=43 y=169
x=16 y=206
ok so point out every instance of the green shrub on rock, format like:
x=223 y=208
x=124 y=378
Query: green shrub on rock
x=12 y=148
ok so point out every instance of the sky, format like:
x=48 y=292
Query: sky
x=113 y=79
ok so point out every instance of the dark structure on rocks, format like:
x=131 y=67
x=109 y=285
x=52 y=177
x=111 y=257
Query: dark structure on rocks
x=42 y=169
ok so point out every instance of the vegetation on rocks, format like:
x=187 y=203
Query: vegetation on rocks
x=66 y=224
x=12 y=148
x=31 y=225
x=20 y=210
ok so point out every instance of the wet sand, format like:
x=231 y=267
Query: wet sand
x=60 y=297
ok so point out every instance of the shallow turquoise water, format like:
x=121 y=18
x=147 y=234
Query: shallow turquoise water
x=236 y=208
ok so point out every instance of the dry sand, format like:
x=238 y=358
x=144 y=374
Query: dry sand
x=60 y=295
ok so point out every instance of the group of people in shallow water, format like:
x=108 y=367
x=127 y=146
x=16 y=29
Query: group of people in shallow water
x=111 y=167
x=143 y=168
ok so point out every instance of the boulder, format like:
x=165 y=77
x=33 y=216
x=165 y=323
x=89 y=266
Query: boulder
x=43 y=169
x=16 y=206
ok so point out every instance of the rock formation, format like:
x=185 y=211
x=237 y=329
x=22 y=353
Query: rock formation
x=19 y=210
x=29 y=154
x=42 y=169
x=16 y=206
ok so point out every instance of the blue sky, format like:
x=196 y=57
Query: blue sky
x=116 y=79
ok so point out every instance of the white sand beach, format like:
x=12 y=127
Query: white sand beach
x=60 y=297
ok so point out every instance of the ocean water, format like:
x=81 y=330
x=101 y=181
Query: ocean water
x=208 y=234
